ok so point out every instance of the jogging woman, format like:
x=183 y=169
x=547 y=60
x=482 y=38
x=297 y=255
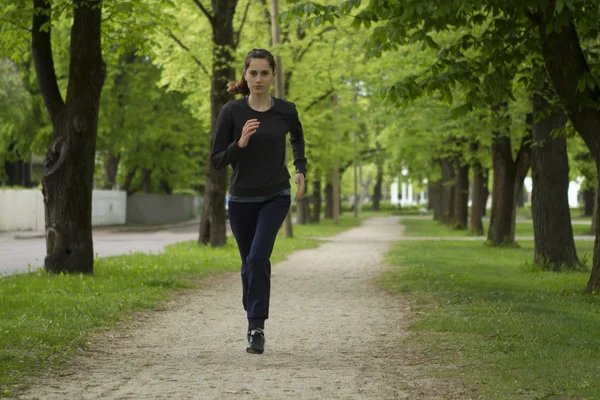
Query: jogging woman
x=251 y=137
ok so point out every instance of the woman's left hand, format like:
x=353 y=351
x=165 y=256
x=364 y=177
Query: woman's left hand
x=301 y=186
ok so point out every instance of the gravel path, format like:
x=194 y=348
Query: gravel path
x=332 y=335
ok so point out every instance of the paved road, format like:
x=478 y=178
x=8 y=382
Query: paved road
x=17 y=254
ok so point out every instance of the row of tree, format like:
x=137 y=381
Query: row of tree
x=137 y=85
x=483 y=51
x=131 y=90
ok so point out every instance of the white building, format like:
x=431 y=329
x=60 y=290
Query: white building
x=403 y=193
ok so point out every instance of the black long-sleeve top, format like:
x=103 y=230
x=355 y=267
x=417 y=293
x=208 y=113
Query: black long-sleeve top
x=259 y=169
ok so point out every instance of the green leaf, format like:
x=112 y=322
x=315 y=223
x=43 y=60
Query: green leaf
x=549 y=28
x=431 y=43
x=581 y=84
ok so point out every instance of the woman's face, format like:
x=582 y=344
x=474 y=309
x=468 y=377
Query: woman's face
x=259 y=76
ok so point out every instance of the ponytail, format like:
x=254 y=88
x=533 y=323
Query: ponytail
x=239 y=87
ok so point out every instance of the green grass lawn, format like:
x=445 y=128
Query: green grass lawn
x=504 y=328
x=46 y=319
x=429 y=227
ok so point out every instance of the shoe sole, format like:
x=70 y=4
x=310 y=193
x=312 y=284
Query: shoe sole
x=254 y=351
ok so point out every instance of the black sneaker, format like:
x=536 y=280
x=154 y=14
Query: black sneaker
x=256 y=342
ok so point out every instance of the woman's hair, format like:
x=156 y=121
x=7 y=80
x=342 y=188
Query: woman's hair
x=241 y=86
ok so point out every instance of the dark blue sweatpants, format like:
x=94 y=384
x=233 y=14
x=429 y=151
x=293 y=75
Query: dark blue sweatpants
x=255 y=226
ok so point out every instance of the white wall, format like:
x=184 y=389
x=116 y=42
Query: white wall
x=109 y=207
x=394 y=195
x=405 y=190
x=152 y=208
x=23 y=209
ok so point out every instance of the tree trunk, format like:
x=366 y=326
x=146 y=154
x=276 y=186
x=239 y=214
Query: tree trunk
x=435 y=197
x=146 y=181
x=213 y=225
x=377 y=187
x=316 y=211
x=461 y=196
x=552 y=229
x=499 y=232
x=562 y=52
x=303 y=209
x=337 y=198
x=588 y=201
x=506 y=173
x=329 y=201
x=280 y=91
x=336 y=175
x=447 y=190
x=478 y=202
x=485 y=194
x=165 y=187
x=522 y=165
x=300 y=217
x=111 y=166
x=68 y=170
x=18 y=173
x=128 y=181
x=522 y=196
x=477 y=193
x=595 y=212
x=430 y=194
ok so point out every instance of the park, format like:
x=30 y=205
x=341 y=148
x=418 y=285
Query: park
x=445 y=245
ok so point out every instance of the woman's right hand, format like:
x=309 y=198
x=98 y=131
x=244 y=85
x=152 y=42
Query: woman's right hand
x=248 y=130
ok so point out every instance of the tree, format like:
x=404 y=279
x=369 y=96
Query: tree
x=15 y=113
x=578 y=91
x=213 y=224
x=497 y=41
x=147 y=137
x=69 y=163
x=508 y=178
x=550 y=203
x=72 y=105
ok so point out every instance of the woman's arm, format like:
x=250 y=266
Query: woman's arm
x=297 y=141
x=225 y=149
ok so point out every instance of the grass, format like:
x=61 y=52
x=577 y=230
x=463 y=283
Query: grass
x=327 y=228
x=429 y=227
x=576 y=213
x=496 y=323
x=46 y=319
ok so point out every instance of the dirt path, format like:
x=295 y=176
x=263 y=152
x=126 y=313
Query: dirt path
x=332 y=334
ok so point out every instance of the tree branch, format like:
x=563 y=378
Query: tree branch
x=210 y=17
x=302 y=53
x=41 y=49
x=236 y=40
x=319 y=99
x=524 y=155
x=311 y=42
x=183 y=46
x=363 y=153
x=266 y=14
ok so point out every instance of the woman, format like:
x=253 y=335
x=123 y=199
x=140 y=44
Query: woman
x=250 y=135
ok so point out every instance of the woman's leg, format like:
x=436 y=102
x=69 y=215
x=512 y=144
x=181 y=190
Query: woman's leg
x=243 y=218
x=270 y=217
